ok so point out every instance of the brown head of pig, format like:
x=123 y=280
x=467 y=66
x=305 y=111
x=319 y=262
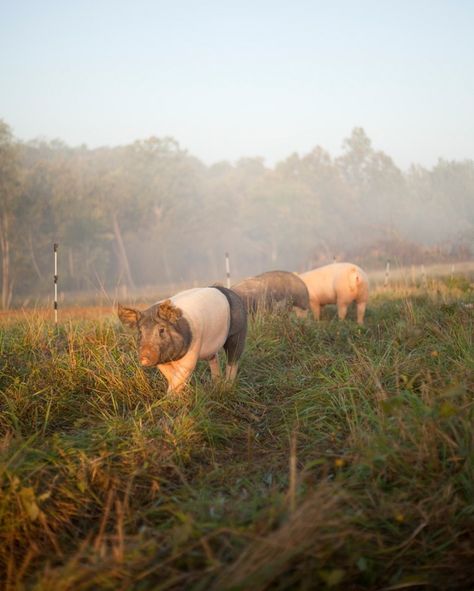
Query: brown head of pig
x=163 y=333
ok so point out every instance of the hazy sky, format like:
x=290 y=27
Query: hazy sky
x=243 y=78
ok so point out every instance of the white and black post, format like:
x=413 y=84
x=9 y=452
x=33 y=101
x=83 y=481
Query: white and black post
x=387 y=273
x=227 y=270
x=55 y=248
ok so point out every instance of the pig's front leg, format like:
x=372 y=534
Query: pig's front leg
x=300 y=313
x=341 y=310
x=315 y=309
x=177 y=373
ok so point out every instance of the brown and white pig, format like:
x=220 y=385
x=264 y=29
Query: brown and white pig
x=273 y=289
x=195 y=324
x=340 y=284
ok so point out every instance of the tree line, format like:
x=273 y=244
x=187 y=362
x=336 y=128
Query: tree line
x=150 y=213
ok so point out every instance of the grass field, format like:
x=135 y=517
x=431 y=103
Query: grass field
x=343 y=458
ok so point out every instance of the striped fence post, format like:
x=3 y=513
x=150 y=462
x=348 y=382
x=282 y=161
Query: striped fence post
x=55 y=250
x=387 y=273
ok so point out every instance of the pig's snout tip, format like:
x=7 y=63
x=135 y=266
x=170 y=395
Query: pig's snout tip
x=148 y=357
x=145 y=361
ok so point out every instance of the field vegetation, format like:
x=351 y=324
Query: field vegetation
x=343 y=458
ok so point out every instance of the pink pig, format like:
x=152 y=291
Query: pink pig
x=340 y=284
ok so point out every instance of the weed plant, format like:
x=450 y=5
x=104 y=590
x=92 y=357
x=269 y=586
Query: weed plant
x=343 y=457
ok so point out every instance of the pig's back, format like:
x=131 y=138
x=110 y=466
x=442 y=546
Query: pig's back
x=337 y=281
x=321 y=283
x=208 y=313
x=272 y=287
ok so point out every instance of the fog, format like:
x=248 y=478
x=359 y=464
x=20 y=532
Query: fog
x=151 y=214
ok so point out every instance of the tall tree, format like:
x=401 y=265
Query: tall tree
x=378 y=187
x=10 y=195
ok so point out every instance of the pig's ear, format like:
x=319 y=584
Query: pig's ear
x=128 y=316
x=168 y=311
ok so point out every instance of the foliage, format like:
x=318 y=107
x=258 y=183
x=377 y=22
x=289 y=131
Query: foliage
x=149 y=213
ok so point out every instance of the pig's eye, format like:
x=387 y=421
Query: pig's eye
x=162 y=332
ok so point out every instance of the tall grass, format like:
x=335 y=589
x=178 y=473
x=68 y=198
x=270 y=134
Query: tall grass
x=343 y=458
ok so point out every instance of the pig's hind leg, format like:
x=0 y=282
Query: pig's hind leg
x=234 y=347
x=361 y=312
x=215 y=368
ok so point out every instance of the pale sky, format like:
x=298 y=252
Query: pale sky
x=244 y=78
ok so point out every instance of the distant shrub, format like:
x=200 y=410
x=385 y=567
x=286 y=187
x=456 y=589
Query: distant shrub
x=460 y=282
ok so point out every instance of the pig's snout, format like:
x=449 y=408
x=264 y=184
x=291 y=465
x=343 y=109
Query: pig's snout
x=144 y=360
x=148 y=357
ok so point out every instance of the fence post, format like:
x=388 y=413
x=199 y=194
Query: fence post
x=387 y=273
x=227 y=270
x=55 y=250
x=423 y=276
